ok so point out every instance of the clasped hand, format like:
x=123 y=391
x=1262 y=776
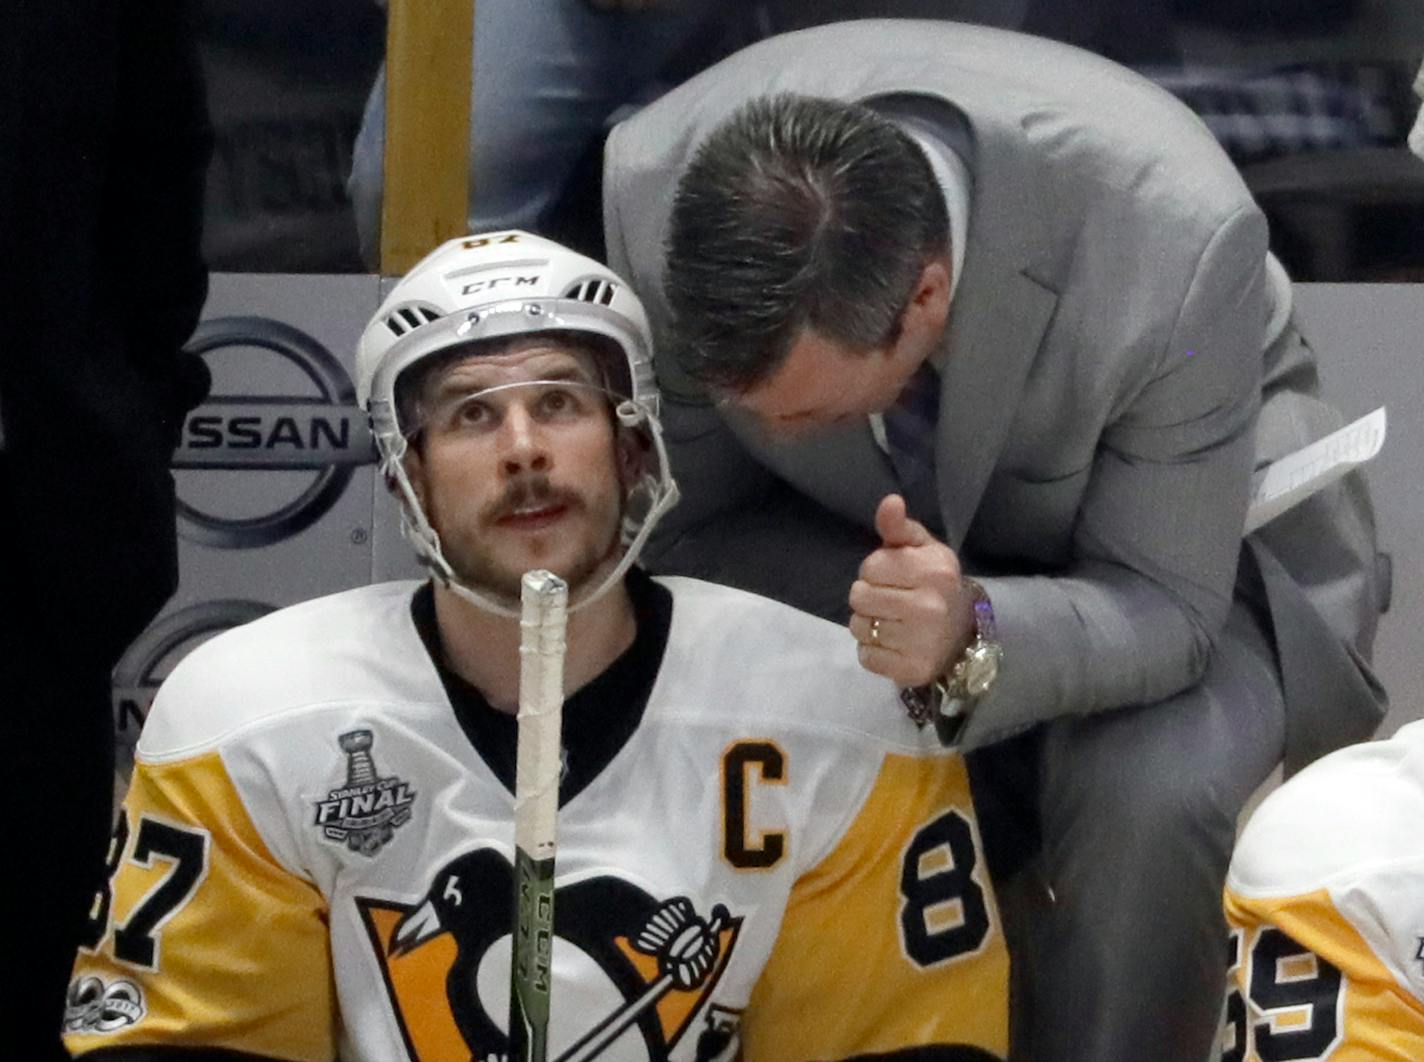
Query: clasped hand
x=910 y=611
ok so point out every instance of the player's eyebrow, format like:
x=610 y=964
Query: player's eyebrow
x=567 y=372
x=474 y=377
x=563 y=365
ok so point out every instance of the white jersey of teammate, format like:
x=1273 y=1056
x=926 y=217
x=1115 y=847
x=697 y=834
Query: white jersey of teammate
x=1326 y=904
x=767 y=858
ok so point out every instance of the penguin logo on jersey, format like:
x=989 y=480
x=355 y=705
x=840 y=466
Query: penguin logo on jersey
x=635 y=971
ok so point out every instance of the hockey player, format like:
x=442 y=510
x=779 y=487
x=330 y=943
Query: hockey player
x=759 y=855
x=1325 y=899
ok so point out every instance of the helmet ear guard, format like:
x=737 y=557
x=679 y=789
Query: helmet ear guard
x=500 y=285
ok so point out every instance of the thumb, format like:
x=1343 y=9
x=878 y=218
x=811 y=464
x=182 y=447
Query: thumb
x=894 y=525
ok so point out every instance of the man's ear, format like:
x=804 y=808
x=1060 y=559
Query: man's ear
x=631 y=450
x=414 y=465
x=922 y=322
x=931 y=294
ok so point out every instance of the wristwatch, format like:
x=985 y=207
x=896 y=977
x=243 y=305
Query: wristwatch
x=974 y=672
x=950 y=700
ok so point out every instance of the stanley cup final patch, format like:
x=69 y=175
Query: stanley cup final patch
x=364 y=812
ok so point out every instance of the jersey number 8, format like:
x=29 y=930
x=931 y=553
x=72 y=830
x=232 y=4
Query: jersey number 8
x=943 y=915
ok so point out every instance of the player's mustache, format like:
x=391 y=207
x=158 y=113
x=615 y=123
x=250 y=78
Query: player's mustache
x=528 y=492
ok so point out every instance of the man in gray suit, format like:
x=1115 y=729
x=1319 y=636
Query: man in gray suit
x=948 y=301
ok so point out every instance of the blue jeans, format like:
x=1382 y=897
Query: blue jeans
x=547 y=76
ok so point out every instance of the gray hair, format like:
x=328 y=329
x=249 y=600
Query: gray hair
x=797 y=213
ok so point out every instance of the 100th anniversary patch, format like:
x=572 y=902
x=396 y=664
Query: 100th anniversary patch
x=95 y=1007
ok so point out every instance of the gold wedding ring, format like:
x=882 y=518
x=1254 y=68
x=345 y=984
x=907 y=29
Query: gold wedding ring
x=875 y=632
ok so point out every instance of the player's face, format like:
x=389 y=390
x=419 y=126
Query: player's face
x=518 y=467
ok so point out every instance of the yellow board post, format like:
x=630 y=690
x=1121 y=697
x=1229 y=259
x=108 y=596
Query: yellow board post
x=429 y=46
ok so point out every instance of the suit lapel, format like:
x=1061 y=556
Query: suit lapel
x=989 y=356
x=997 y=320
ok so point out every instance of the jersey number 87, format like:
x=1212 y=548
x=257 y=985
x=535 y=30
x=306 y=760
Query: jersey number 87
x=136 y=941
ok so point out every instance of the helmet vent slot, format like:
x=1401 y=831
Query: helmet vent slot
x=596 y=291
x=406 y=318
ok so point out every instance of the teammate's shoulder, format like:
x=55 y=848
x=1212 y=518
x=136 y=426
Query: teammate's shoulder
x=1358 y=808
x=355 y=644
x=764 y=634
x=709 y=602
x=737 y=653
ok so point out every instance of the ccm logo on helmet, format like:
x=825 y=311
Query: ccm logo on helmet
x=506 y=283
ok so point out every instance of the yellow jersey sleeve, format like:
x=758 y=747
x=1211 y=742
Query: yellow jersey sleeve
x=893 y=941
x=200 y=937
x=1306 y=985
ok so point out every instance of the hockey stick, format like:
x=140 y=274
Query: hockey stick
x=544 y=597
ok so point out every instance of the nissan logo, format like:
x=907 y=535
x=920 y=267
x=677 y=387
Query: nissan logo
x=324 y=433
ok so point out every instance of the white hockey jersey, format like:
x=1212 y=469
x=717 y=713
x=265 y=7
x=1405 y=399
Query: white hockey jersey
x=1325 y=899
x=314 y=858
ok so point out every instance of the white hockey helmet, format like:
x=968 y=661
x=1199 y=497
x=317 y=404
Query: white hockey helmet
x=491 y=286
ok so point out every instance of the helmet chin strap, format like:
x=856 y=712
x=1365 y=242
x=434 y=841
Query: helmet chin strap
x=416 y=528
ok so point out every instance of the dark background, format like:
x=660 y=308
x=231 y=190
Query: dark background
x=1312 y=101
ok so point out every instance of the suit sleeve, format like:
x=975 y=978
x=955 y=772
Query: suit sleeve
x=1135 y=617
x=891 y=945
x=201 y=944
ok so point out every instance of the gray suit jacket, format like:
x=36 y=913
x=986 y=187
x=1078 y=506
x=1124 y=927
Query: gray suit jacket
x=1101 y=387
